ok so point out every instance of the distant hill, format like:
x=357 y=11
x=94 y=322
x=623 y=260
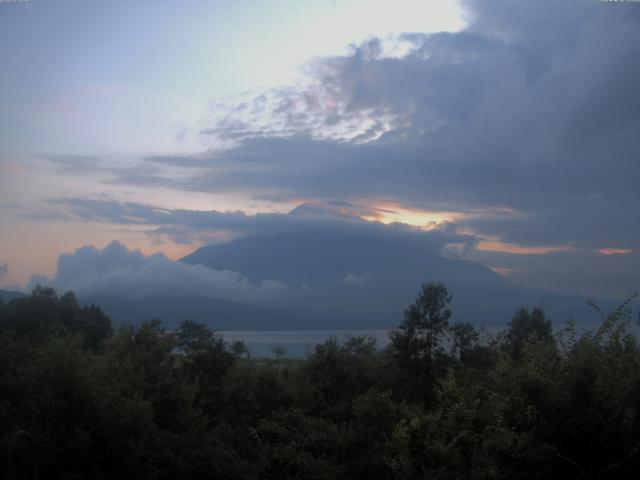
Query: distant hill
x=227 y=315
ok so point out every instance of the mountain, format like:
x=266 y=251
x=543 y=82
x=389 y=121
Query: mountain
x=354 y=279
x=321 y=257
x=343 y=274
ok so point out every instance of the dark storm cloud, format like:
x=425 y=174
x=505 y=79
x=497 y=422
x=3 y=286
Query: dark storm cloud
x=533 y=106
x=582 y=272
x=589 y=221
x=189 y=226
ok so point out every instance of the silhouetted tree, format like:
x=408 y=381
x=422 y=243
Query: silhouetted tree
x=206 y=361
x=279 y=351
x=419 y=335
x=23 y=458
x=44 y=313
x=418 y=340
x=239 y=348
x=525 y=327
x=151 y=403
x=464 y=338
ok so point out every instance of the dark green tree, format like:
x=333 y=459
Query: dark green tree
x=206 y=361
x=419 y=337
x=525 y=327
x=464 y=339
x=240 y=349
x=417 y=342
x=44 y=313
x=279 y=351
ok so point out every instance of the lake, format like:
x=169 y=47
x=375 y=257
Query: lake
x=297 y=342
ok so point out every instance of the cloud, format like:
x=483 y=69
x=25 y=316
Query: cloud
x=110 y=170
x=532 y=107
x=117 y=271
x=356 y=279
x=193 y=226
x=578 y=271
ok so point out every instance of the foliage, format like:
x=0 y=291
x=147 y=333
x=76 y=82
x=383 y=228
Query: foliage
x=526 y=327
x=44 y=314
x=79 y=400
x=418 y=341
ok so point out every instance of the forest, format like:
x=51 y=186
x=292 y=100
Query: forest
x=82 y=399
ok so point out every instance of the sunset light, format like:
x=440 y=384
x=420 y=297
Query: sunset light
x=394 y=212
x=615 y=251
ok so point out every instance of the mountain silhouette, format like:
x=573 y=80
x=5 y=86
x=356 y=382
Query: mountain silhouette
x=343 y=274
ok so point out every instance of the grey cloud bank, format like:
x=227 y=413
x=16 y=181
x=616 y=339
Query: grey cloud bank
x=187 y=226
x=119 y=272
x=580 y=271
x=533 y=106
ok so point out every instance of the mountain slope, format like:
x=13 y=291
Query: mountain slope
x=341 y=274
x=316 y=258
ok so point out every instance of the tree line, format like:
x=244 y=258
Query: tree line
x=82 y=400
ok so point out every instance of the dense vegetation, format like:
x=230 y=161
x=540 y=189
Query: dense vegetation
x=81 y=401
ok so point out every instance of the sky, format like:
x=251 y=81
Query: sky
x=513 y=127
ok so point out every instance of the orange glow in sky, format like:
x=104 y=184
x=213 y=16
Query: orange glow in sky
x=615 y=251
x=12 y=168
x=497 y=246
x=504 y=272
x=394 y=212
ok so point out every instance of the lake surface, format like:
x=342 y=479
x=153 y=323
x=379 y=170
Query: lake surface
x=297 y=343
